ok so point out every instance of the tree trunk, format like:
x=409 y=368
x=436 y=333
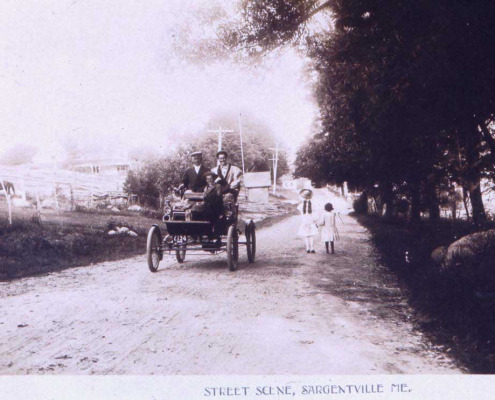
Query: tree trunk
x=473 y=175
x=464 y=200
x=454 y=205
x=479 y=215
x=388 y=199
x=489 y=140
x=432 y=198
x=376 y=205
x=415 y=217
x=364 y=199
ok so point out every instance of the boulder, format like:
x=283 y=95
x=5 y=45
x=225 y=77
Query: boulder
x=132 y=233
x=135 y=207
x=438 y=255
x=123 y=229
x=471 y=250
x=49 y=203
x=471 y=258
x=112 y=232
x=119 y=201
x=20 y=202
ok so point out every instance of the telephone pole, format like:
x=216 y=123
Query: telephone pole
x=275 y=166
x=220 y=131
x=242 y=150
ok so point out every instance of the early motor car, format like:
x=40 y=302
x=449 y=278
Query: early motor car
x=185 y=235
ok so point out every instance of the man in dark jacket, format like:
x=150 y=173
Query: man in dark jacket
x=194 y=177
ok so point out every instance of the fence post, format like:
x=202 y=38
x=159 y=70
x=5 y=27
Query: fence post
x=71 y=197
x=91 y=192
x=38 y=206
x=55 y=195
x=9 y=205
x=23 y=189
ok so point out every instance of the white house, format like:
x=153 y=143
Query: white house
x=288 y=182
x=258 y=185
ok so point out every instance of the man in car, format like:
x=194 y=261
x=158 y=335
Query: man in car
x=194 y=177
x=228 y=176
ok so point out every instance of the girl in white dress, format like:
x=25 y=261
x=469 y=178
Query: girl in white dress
x=329 y=233
x=308 y=228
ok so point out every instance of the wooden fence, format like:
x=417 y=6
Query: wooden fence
x=57 y=186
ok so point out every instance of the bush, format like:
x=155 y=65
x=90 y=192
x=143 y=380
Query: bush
x=152 y=213
x=360 y=205
x=402 y=206
x=81 y=208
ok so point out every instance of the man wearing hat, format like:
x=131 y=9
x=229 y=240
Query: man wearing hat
x=194 y=177
x=228 y=176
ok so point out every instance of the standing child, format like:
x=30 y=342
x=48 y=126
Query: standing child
x=329 y=232
x=308 y=228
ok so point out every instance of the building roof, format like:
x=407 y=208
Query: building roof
x=99 y=162
x=257 y=179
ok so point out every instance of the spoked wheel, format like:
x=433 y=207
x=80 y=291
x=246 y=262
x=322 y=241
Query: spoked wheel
x=232 y=248
x=180 y=254
x=251 y=241
x=153 y=248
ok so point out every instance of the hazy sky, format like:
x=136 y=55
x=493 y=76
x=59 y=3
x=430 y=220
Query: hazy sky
x=105 y=70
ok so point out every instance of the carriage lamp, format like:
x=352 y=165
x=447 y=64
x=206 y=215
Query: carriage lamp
x=169 y=240
x=167 y=213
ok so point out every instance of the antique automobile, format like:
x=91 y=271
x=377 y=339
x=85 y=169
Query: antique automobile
x=185 y=235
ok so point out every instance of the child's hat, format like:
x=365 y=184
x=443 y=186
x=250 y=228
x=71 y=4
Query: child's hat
x=306 y=193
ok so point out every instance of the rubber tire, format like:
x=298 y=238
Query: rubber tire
x=152 y=245
x=251 y=241
x=180 y=255
x=232 y=248
x=247 y=230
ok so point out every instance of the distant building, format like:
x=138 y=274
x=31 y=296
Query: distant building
x=102 y=167
x=288 y=182
x=258 y=186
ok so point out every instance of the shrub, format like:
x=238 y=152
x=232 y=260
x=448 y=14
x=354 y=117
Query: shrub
x=360 y=205
x=402 y=206
x=152 y=213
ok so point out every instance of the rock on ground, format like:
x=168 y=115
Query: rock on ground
x=471 y=258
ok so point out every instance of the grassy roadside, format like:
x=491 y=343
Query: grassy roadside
x=452 y=314
x=26 y=248
x=70 y=239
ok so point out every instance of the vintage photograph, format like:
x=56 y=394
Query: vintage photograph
x=248 y=187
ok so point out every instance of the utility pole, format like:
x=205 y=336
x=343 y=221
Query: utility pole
x=242 y=151
x=274 y=159
x=220 y=131
x=275 y=165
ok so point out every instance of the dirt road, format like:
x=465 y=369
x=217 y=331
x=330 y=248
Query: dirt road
x=288 y=313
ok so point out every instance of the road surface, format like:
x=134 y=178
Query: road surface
x=288 y=313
